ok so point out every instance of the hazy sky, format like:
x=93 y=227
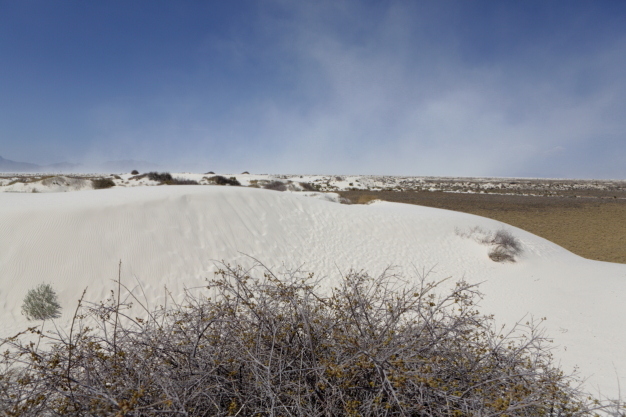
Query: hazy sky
x=472 y=88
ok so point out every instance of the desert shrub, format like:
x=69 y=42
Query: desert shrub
x=181 y=181
x=41 y=303
x=160 y=177
x=504 y=239
x=307 y=186
x=245 y=173
x=499 y=254
x=220 y=180
x=276 y=186
x=505 y=246
x=134 y=172
x=210 y=173
x=275 y=345
x=166 y=178
x=101 y=183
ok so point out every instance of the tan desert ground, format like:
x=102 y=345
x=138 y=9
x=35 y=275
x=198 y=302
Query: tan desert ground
x=592 y=226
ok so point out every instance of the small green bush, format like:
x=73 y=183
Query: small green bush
x=101 y=183
x=41 y=303
x=134 y=172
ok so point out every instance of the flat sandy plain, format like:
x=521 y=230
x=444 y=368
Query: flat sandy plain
x=580 y=216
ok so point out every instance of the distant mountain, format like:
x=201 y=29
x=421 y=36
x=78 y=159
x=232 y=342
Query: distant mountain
x=127 y=165
x=6 y=165
x=62 y=166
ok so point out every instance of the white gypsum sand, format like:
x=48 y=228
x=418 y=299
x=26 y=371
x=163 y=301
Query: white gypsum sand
x=172 y=236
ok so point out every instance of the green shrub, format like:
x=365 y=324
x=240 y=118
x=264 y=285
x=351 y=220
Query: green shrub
x=101 y=183
x=41 y=303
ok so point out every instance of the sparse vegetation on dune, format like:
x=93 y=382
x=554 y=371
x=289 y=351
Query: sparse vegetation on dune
x=182 y=181
x=307 y=186
x=160 y=177
x=275 y=345
x=101 y=183
x=504 y=246
x=220 y=180
x=276 y=186
x=167 y=179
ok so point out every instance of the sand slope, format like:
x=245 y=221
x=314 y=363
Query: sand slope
x=173 y=235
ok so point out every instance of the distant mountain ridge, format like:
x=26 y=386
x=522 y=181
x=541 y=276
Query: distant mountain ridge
x=7 y=165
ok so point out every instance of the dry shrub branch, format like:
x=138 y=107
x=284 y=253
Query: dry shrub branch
x=272 y=345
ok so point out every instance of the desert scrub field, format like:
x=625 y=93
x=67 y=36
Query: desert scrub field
x=592 y=227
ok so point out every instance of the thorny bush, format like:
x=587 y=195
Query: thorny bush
x=272 y=345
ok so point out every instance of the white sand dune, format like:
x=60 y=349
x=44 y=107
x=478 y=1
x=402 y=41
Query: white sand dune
x=173 y=235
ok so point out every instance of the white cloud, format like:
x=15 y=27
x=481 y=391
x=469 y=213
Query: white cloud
x=385 y=91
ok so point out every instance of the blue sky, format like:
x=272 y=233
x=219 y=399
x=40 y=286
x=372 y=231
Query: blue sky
x=484 y=88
